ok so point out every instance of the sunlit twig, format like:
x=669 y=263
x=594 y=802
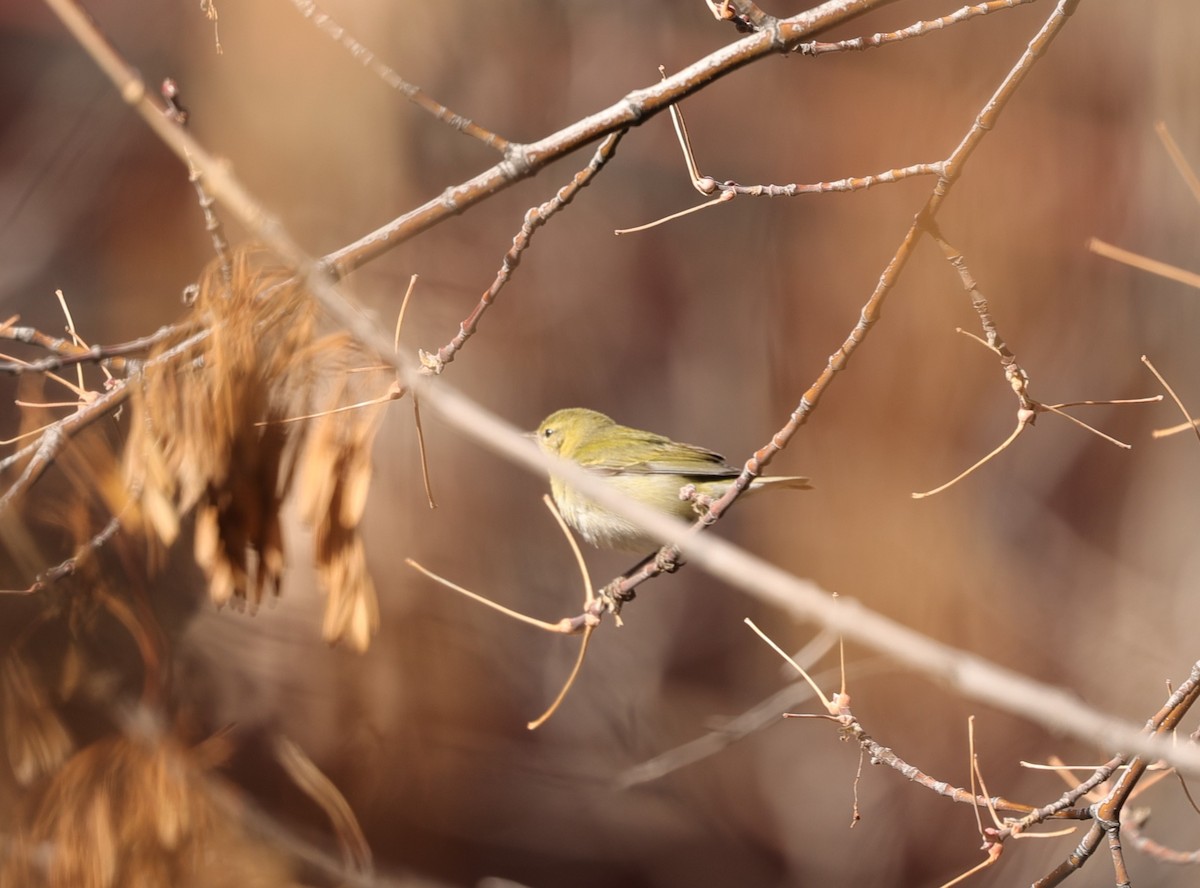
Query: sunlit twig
x=1174 y=397
x=1177 y=158
x=1021 y=426
x=829 y=704
x=1136 y=260
x=474 y=596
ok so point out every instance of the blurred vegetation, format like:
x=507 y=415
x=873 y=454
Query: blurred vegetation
x=1065 y=558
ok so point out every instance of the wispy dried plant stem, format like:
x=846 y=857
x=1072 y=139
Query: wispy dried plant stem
x=314 y=783
x=1136 y=260
x=1177 y=158
x=568 y=684
x=1000 y=448
x=487 y=602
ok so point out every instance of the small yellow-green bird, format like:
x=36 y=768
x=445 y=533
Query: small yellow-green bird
x=646 y=467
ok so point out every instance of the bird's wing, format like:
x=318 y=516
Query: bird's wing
x=662 y=456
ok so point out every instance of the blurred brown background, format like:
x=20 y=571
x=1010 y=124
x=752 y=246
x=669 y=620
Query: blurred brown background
x=1066 y=558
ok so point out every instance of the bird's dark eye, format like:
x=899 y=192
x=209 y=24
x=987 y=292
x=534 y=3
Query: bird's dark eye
x=547 y=433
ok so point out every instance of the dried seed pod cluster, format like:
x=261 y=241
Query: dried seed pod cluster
x=215 y=430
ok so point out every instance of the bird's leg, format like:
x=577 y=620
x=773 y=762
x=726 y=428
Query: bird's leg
x=615 y=594
x=667 y=559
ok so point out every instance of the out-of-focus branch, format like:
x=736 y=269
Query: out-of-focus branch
x=1131 y=830
x=68 y=567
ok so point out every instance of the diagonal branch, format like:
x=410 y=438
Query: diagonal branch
x=538 y=216
x=984 y=123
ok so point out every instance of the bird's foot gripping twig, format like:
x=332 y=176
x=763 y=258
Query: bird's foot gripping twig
x=614 y=595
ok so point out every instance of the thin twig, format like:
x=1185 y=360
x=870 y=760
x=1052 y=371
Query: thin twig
x=728 y=190
x=420 y=430
x=535 y=218
x=920 y=29
x=67 y=355
x=41 y=453
x=474 y=596
x=1174 y=397
x=568 y=684
x=330 y=28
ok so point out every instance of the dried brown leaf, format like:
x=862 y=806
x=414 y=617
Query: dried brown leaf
x=204 y=430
